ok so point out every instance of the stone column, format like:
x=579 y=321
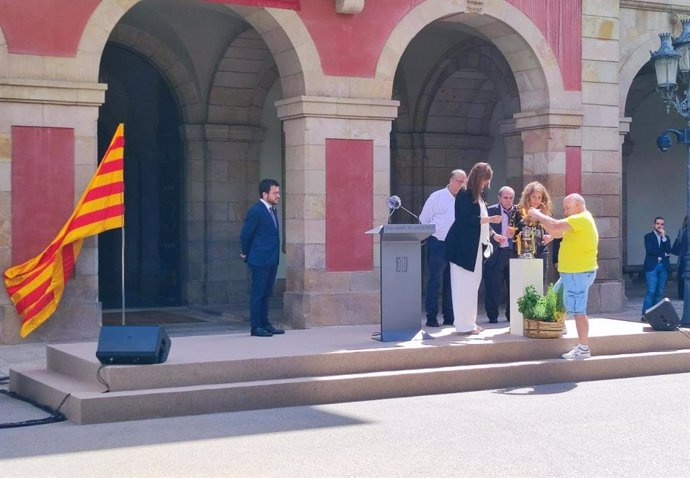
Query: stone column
x=601 y=146
x=222 y=174
x=53 y=104
x=545 y=136
x=314 y=295
x=514 y=160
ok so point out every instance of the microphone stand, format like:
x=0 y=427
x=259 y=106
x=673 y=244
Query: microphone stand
x=411 y=214
x=407 y=211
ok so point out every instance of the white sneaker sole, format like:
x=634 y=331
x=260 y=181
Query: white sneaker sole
x=576 y=357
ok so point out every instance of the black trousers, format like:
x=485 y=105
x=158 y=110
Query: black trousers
x=496 y=274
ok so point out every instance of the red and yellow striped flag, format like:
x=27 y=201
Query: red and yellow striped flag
x=36 y=286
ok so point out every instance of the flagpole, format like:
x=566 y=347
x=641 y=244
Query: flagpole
x=122 y=268
x=122 y=251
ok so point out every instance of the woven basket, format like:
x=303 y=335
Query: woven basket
x=537 y=329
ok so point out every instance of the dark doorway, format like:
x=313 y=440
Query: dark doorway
x=140 y=97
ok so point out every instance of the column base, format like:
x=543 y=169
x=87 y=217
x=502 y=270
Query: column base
x=73 y=321
x=312 y=309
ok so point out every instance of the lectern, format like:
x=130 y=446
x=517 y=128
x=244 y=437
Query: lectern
x=401 y=279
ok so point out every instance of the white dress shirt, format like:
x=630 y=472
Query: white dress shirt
x=439 y=209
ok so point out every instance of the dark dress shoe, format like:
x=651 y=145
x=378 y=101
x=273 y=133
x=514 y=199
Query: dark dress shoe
x=493 y=321
x=448 y=321
x=261 y=332
x=274 y=330
x=432 y=323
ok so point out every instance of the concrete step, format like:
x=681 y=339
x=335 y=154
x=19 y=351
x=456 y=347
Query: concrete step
x=209 y=374
x=90 y=405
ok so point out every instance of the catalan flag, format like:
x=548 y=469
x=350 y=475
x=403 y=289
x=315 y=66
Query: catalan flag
x=36 y=286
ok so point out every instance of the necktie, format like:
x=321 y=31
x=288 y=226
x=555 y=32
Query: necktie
x=274 y=216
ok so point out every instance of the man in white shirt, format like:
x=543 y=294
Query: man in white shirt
x=439 y=209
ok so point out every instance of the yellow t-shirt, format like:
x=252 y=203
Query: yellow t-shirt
x=578 y=251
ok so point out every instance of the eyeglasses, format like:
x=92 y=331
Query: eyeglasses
x=659 y=223
x=458 y=180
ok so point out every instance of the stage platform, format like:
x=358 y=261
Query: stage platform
x=234 y=371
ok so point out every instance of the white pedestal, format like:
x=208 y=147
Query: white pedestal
x=523 y=273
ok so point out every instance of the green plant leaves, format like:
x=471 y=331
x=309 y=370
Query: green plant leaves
x=546 y=308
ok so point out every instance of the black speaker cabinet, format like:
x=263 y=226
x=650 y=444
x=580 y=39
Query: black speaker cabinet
x=132 y=344
x=662 y=316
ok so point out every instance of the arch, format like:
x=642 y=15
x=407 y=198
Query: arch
x=638 y=57
x=472 y=54
x=282 y=30
x=179 y=78
x=3 y=51
x=240 y=85
x=526 y=50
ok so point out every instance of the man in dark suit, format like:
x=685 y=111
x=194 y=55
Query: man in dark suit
x=496 y=272
x=260 y=238
x=657 y=249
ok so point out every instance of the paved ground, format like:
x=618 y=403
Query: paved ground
x=627 y=427
x=615 y=428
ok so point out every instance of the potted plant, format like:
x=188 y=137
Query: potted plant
x=543 y=315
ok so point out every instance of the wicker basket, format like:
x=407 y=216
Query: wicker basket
x=537 y=329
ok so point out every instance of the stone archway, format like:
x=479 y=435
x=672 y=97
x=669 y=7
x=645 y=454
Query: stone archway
x=651 y=179
x=179 y=77
x=454 y=112
x=524 y=46
x=213 y=124
x=281 y=30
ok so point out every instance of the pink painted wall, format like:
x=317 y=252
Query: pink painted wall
x=42 y=187
x=560 y=21
x=349 y=204
x=573 y=169
x=348 y=45
x=44 y=27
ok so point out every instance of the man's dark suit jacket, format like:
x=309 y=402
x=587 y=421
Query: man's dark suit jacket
x=462 y=240
x=497 y=210
x=653 y=251
x=260 y=237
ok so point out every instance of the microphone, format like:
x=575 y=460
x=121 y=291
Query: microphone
x=395 y=203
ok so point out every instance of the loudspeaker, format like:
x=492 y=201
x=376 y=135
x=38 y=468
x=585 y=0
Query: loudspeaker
x=662 y=316
x=133 y=344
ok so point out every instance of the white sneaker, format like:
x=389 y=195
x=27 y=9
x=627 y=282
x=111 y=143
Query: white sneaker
x=577 y=354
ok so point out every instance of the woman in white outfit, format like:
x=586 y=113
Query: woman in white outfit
x=466 y=244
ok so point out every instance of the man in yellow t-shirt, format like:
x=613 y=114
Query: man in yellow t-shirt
x=577 y=263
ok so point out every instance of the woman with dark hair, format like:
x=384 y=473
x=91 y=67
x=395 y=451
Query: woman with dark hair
x=467 y=243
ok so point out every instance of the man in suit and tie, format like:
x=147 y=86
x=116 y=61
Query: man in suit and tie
x=657 y=249
x=260 y=238
x=496 y=272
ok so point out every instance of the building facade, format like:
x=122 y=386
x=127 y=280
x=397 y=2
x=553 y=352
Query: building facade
x=344 y=102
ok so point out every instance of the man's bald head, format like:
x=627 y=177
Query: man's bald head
x=573 y=204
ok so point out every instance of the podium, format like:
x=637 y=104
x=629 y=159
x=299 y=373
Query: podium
x=523 y=273
x=401 y=279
